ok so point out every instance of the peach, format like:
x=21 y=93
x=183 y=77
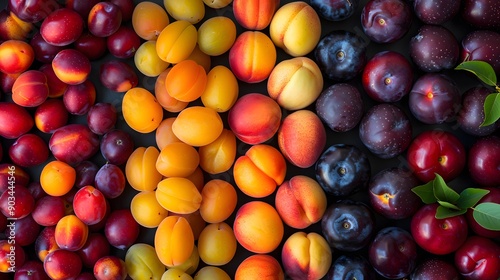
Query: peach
x=302 y=138
x=252 y=56
x=259 y=266
x=258 y=227
x=174 y=241
x=17 y=56
x=218 y=156
x=254 y=118
x=141 y=261
x=254 y=14
x=71 y=66
x=300 y=202
x=15 y=120
x=295 y=83
x=30 y=89
x=306 y=256
x=295 y=28
x=259 y=171
x=140 y=169
x=71 y=233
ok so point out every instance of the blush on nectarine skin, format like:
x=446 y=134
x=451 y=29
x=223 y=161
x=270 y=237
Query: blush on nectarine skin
x=259 y=266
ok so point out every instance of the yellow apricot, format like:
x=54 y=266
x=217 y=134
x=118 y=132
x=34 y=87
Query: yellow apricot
x=219 y=199
x=176 y=41
x=217 y=4
x=178 y=195
x=216 y=35
x=217 y=244
x=175 y=273
x=147 y=61
x=140 y=169
x=190 y=10
x=174 y=241
x=191 y=265
x=177 y=159
x=146 y=210
x=219 y=156
x=142 y=262
x=198 y=126
x=141 y=110
x=211 y=273
x=149 y=19
x=221 y=91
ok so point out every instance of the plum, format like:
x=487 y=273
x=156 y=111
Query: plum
x=436 y=11
x=471 y=113
x=386 y=21
x=482 y=45
x=335 y=10
x=482 y=14
x=351 y=267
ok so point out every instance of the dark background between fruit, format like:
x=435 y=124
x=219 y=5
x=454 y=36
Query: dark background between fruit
x=463 y=80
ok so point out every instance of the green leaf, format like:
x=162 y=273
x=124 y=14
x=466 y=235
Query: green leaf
x=443 y=212
x=442 y=192
x=425 y=192
x=448 y=205
x=491 y=109
x=483 y=70
x=487 y=215
x=470 y=197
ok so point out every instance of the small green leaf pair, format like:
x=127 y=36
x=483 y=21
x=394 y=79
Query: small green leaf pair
x=485 y=72
x=452 y=204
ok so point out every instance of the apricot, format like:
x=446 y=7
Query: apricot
x=140 y=169
x=146 y=210
x=211 y=273
x=217 y=4
x=295 y=28
x=191 y=264
x=254 y=14
x=219 y=199
x=197 y=125
x=218 y=156
x=71 y=66
x=177 y=159
x=300 y=202
x=196 y=222
x=217 y=244
x=198 y=178
x=259 y=171
x=142 y=262
x=176 y=41
x=295 y=83
x=201 y=58
x=252 y=56
x=216 y=35
x=164 y=134
x=168 y=103
x=147 y=61
x=306 y=256
x=149 y=19
x=71 y=233
x=192 y=11
x=175 y=273
x=15 y=120
x=174 y=241
x=302 y=138
x=259 y=266
x=222 y=89
x=178 y=195
x=141 y=110
x=57 y=178
x=258 y=227
x=17 y=56
x=186 y=81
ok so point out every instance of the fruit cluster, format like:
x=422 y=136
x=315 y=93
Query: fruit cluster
x=248 y=139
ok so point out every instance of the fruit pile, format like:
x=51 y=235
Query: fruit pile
x=249 y=139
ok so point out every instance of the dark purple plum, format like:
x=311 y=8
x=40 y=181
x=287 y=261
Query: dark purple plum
x=471 y=113
x=335 y=10
x=349 y=267
x=116 y=146
x=340 y=107
x=393 y=252
x=85 y=173
x=348 y=225
x=435 y=268
x=386 y=21
x=434 y=99
x=482 y=14
x=44 y=52
x=390 y=193
x=32 y=11
x=110 y=180
x=102 y=118
x=341 y=55
x=387 y=76
x=434 y=48
x=482 y=45
x=343 y=170
x=436 y=11
x=385 y=130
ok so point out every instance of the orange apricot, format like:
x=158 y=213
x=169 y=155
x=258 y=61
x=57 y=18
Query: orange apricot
x=176 y=41
x=57 y=178
x=218 y=156
x=141 y=110
x=168 y=103
x=177 y=159
x=140 y=169
x=149 y=19
x=198 y=125
x=186 y=81
x=174 y=241
x=178 y=195
x=219 y=199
